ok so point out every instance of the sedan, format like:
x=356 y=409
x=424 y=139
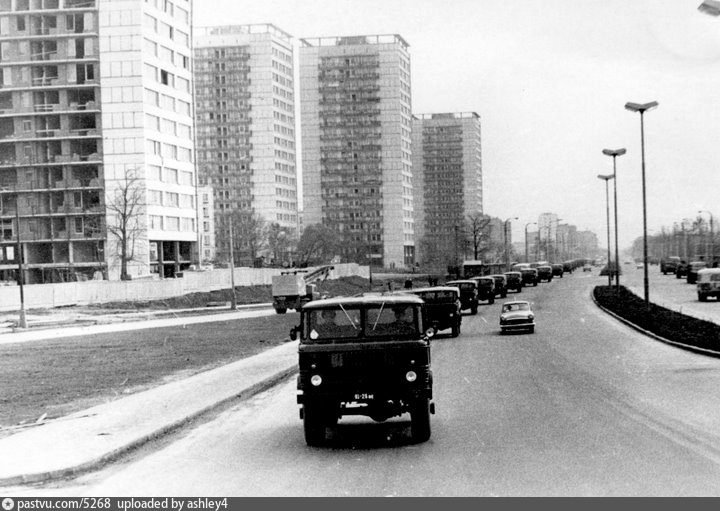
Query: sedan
x=517 y=315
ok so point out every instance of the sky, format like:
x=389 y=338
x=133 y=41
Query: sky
x=549 y=80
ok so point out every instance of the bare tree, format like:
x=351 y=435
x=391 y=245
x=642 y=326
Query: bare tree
x=477 y=228
x=124 y=204
x=250 y=234
x=279 y=242
x=318 y=243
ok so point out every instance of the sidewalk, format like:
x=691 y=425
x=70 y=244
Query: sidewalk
x=88 y=438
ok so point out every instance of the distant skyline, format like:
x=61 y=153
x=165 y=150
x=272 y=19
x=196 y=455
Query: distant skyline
x=550 y=80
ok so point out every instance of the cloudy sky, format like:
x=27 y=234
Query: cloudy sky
x=550 y=80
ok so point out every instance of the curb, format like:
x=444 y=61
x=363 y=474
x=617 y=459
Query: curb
x=95 y=463
x=632 y=325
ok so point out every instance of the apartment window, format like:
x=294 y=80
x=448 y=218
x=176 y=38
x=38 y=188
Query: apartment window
x=20 y=23
x=78 y=225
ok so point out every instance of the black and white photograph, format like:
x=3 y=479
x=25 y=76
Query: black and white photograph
x=358 y=248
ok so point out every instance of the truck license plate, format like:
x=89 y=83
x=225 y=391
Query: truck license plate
x=364 y=396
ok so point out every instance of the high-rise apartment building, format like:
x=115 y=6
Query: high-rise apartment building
x=356 y=144
x=96 y=117
x=245 y=115
x=447 y=175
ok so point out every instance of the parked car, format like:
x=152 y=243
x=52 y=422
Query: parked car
x=529 y=276
x=545 y=273
x=514 y=281
x=468 y=294
x=500 y=285
x=557 y=270
x=442 y=307
x=669 y=264
x=486 y=288
x=363 y=355
x=517 y=315
x=693 y=269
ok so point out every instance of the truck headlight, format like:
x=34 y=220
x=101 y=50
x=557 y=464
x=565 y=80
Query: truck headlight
x=531 y=317
x=411 y=376
x=316 y=380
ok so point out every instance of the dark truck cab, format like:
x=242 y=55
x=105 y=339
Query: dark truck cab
x=469 y=292
x=442 y=307
x=365 y=355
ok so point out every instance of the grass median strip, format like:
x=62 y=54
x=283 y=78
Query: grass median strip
x=58 y=377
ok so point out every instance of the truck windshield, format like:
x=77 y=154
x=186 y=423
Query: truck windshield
x=395 y=320
x=333 y=323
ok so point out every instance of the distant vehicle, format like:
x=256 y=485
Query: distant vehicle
x=587 y=267
x=366 y=355
x=468 y=293
x=517 y=315
x=708 y=283
x=545 y=273
x=294 y=288
x=557 y=270
x=486 y=288
x=514 y=281
x=442 y=307
x=681 y=270
x=500 y=285
x=692 y=271
x=669 y=264
x=474 y=268
x=529 y=276
x=519 y=266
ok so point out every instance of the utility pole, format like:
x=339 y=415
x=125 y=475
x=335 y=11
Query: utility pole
x=22 y=321
x=233 y=298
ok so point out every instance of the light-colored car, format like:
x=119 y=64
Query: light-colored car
x=517 y=315
x=708 y=283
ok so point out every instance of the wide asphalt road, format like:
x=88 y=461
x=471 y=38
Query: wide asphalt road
x=585 y=406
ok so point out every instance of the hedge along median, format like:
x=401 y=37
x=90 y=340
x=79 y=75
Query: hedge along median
x=665 y=323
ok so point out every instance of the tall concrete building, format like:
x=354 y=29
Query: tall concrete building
x=356 y=144
x=95 y=116
x=447 y=177
x=245 y=113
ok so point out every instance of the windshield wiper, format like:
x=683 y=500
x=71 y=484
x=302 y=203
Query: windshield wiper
x=379 y=314
x=348 y=316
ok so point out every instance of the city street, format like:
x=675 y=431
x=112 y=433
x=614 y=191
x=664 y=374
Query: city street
x=585 y=406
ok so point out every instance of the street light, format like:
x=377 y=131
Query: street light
x=642 y=108
x=22 y=321
x=615 y=153
x=527 y=259
x=507 y=251
x=712 y=237
x=607 y=178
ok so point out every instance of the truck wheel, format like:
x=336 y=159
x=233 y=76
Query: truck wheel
x=519 y=290
x=491 y=300
x=456 y=329
x=313 y=425
x=702 y=297
x=504 y=294
x=281 y=311
x=473 y=310
x=420 y=420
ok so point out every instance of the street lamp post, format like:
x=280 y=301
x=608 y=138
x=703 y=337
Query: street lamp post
x=505 y=235
x=527 y=258
x=607 y=178
x=711 y=252
x=233 y=296
x=642 y=108
x=615 y=153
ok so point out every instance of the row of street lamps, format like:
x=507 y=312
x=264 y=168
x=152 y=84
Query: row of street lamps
x=640 y=108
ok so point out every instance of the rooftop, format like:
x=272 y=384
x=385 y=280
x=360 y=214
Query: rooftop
x=355 y=40
x=449 y=115
x=258 y=28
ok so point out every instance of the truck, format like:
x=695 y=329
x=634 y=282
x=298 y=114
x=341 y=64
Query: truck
x=294 y=288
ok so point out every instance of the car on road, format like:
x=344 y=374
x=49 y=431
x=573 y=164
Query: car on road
x=587 y=267
x=514 y=281
x=708 y=283
x=681 y=270
x=517 y=315
x=545 y=273
x=469 y=292
x=364 y=355
x=486 y=288
x=692 y=271
x=557 y=270
x=669 y=264
x=500 y=285
x=529 y=276
x=442 y=307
